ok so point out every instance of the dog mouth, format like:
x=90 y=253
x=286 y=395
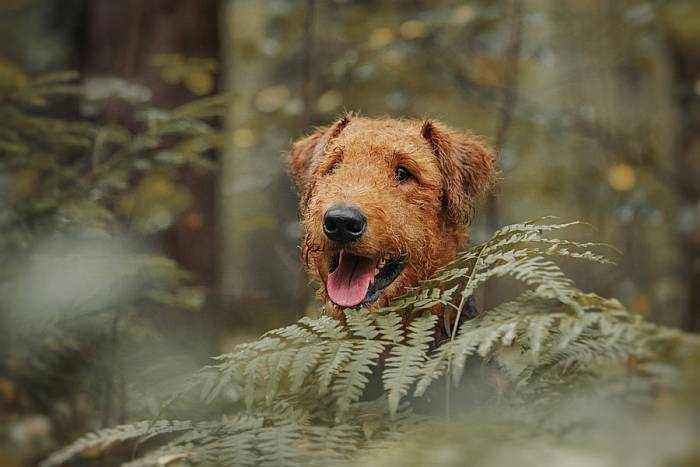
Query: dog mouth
x=358 y=280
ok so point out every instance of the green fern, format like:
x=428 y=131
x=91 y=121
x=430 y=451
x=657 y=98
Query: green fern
x=107 y=437
x=304 y=383
x=404 y=363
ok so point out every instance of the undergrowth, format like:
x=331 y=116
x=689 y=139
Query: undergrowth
x=319 y=392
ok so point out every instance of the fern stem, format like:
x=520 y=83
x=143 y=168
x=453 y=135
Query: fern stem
x=448 y=408
x=464 y=295
x=452 y=334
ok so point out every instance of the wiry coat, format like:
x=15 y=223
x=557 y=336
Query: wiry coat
x=421 y=219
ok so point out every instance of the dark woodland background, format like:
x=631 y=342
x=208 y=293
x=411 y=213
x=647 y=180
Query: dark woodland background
x=593 y=106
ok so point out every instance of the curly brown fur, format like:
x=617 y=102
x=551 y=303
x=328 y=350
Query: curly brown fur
x=420 y=221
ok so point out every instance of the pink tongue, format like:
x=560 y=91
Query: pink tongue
x=348 y=284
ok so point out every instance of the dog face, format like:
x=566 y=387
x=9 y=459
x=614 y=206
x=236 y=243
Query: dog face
x=383 y=204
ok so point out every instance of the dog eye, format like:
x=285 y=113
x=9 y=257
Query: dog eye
x=331 y=168
x=402 y=174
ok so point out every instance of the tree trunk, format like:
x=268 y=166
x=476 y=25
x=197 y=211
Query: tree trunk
x=262 y=281
x=125 y=40
x=684 y=41
x=122 y=39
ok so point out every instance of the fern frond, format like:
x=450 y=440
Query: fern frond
x=305 y=361
x=361 y=324
x=335 y=354
x=303 y=385
x=279 y=445
x=326 y=327
x=103 y=439
x=228 y=439
x=434 y=368
x=253 y=374
x=278 y=365
x=237 y=449
x=351 y=381
x=293 y=333
x=389 y=326
x=405 y=360
x=330 y=445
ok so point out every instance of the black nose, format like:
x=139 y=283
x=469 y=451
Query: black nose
x=343 y=223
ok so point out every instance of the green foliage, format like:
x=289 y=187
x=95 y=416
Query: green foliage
x=305 y=383
x=68 y=177
x=69 y=170
x=79 y=195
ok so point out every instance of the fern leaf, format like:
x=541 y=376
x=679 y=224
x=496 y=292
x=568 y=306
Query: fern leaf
x=278 y=445
x=361 y=324
x=330 y=445
x=389 y=325
x=326 y=327
x=571 y=327
x=404 y=362
x=293 y=334
x=434 y=368
x=422 y=331
x=238 y=449
x=351 y=381
x=278 y=364
x=402 y=368
x=335 y=355
x=537 y=331
x=253 y=376
x=305 y=360
x=103 y=439
x=467 y=343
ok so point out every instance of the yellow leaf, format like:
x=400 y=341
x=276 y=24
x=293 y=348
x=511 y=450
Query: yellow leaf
x=172 y=74
x=379 y=37
x=25 y=182
x=329 y=101
x=199 y=82
x=487 y=71
x=622 y=177
x=8 y=391
x=272 y=98
x=243 y=137
x=156 y=186
x=166 y=59
x=463 y=14
x=413 y=29
x=11 y=77
x=641 y=305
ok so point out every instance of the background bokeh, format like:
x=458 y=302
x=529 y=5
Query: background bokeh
x=122 y=275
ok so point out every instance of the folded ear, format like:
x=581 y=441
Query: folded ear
x=468 y=168
x=307 y=153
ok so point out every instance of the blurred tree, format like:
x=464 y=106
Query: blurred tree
x=270 y=68
x=97 y=176
x=38 y=35
x=81 y=294
x=172 y=48
x=681 y=23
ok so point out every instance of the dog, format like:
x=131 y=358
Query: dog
x=383 y=204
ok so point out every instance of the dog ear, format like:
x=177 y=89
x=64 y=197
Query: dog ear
x=308 y=151
x=467 y=166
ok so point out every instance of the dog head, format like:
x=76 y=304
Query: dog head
x=384 y=203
